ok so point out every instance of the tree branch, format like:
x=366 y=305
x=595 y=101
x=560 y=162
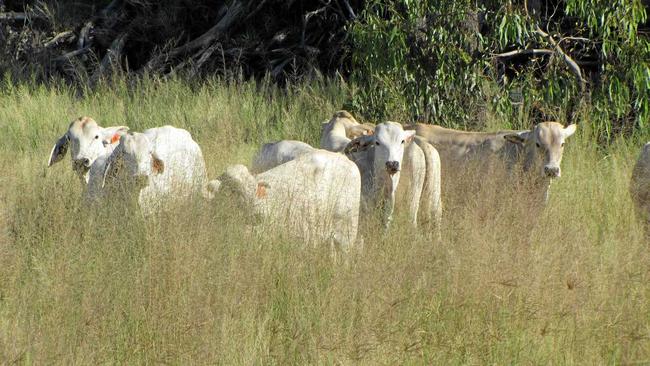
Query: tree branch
x=67 y=35
x=233 y=15
x=573 y=66
x=532 y=52
x=19 y=17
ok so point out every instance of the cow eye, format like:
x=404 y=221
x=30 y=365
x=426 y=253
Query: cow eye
x=402 y=141
x=538 y=145
x=96 y=137
x=563 y=144
x=377 y=143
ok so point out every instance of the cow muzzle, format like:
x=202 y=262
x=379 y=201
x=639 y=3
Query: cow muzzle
x=392 y=167
x=81 y=165
x=552 y=171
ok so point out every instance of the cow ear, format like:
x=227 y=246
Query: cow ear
x=517 y=138
x=157 y=165
x=59 y=150
x=261 y=190
x=112 y=134
x=111 y=139
x=409 y=135
x=569 y=130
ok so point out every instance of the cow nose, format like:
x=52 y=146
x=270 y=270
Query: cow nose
x=83 y=161
x=552 y=171
x=392 y=167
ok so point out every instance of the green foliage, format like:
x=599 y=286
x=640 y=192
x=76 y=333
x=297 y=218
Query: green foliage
x=417 y=60
x=402 y=66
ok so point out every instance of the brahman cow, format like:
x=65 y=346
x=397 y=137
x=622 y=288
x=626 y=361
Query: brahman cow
x=161 y=164
x=386 y=157
x=315 y=196
x=541 y=149
x=640 y=185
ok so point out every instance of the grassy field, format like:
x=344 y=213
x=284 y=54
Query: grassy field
x=81 y=286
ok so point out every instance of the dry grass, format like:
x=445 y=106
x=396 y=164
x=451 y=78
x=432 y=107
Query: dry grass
x=569 y=286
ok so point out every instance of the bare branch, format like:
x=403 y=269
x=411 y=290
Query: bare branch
x=66 y=36
x=573 y=66
x=84 y=35
x=532 y=52
x=69 y=55
x=19 y=17
x=233 y=16
x=349 y=9
x=306 y=20
x=112 y=57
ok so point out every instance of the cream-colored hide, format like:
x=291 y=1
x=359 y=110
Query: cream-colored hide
x=158 y=166
x=395 y=170
x=277 y=153
x=337 y=133
x=314 y=197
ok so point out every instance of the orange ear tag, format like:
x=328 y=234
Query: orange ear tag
x=261 y=191
x=115 y=138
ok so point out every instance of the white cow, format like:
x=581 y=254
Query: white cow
x=87 y=141
x=640 y=185
x=387 y=156
x=277 y=153
x=159 y=165
x=315 y=197
x=340 y=130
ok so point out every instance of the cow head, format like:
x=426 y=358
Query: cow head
x=241 y=184
x=389 y=141
x=544 y=145
x=86 y=141
x=134 y=160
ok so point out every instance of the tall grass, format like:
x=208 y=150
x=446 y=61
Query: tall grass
x=199 y=285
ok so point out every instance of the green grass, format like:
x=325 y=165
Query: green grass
x=81 y=286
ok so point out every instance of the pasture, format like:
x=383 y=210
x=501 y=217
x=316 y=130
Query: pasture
x=198 y=285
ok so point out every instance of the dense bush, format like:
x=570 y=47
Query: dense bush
x=444 y=61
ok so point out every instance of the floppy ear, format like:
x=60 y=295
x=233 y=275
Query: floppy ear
x=409 y=135
x=518 y=138
x=157 y=165
x=59 y=150
x=569 y=130
x=111 y=135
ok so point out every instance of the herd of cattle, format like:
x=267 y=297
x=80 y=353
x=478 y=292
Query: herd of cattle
x=318 y=194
